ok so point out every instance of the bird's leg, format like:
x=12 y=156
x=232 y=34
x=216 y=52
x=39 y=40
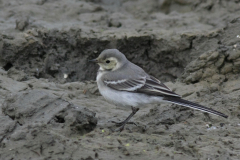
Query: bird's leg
x=123 y=123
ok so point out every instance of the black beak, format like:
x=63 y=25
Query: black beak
x=93 y=60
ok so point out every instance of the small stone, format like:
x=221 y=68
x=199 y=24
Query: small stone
x=228 y=67
x=196 y=76
x=234 y=55
x=219 y=62
x=208 y=72
x=214 y=87
x=213 y=56
x=22 y=23
x=203 y=56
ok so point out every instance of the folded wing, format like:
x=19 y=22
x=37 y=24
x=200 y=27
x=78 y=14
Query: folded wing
x=145 y=84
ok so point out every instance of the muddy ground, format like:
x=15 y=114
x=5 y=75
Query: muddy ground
x=50 y=104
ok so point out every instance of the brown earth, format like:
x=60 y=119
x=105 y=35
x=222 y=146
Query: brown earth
x=50 y=104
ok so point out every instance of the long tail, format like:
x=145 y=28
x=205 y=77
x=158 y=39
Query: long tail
x=192 y=105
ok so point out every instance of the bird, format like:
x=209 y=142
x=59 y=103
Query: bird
x=125 y=84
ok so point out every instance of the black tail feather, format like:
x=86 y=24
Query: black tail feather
x=192 y=105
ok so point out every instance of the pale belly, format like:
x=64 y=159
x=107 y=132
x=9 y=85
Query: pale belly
x=127 y=99
x=124 y=98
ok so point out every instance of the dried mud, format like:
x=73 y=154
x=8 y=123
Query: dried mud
x=50 y=104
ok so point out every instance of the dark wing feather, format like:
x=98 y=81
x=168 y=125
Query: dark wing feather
x=147 y=85
x=155 y=87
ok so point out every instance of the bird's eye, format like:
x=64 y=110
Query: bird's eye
x=107 y=61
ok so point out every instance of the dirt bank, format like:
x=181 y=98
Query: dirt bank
x=50 y=105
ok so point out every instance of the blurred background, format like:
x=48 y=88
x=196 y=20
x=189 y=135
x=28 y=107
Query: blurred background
x=50 y=38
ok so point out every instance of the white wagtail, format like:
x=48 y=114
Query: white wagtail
x=126 y=84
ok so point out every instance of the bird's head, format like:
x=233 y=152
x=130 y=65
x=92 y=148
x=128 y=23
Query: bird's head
x=110 y=59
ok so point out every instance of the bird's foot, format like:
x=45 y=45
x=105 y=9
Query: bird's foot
x=126 y=121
